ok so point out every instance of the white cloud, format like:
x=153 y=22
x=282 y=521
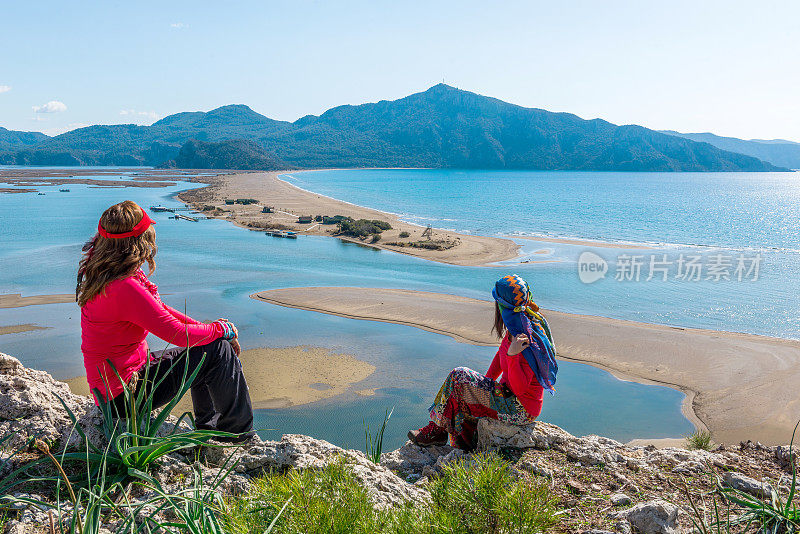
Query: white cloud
x=5 y=88
x=179 y=25
x=54 y=106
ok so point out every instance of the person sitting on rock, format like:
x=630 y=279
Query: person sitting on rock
x=526 y=360
x=120 y=306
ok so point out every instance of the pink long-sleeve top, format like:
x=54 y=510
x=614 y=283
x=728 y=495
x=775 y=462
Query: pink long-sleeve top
x=115 y=323
x=518 y=376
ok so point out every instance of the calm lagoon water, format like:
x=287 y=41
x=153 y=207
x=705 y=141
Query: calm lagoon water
x=212 y=267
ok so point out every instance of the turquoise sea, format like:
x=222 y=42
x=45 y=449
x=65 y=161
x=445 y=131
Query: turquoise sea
x=734 y=215
x=212 y=267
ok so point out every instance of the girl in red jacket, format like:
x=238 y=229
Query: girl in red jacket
x=120 y=306
x=526 y=361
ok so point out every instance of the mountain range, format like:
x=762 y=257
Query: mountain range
x=776 y=151
x=442 y=127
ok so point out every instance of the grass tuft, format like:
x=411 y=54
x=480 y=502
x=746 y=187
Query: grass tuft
x=374 y=445
x=699 y=439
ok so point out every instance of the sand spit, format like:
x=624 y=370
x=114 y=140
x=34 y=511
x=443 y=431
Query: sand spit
x=15 y=300
x=289 y=202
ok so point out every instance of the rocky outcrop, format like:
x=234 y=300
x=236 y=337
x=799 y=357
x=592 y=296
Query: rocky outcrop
x=592 y=450
x=30 y=405
x=614 y=486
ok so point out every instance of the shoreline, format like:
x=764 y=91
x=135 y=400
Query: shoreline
x=291 y=201
x=736 y=385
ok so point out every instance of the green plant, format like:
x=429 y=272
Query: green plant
x=197 y=507
x=699 y=439
x=374 y=446
x=136 y=437
x=336 y=219
x=404 y=234
x=715 y=521
x=361 y=227
x=480 y=494
x=772 y=515
x=375 y=238
x=328 y=500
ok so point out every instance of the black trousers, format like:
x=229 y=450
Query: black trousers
x=220 y=398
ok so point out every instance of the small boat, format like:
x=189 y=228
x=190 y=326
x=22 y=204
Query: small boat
x=159 y=208
x=41 y=194
x=280 y=233
x=64 y=190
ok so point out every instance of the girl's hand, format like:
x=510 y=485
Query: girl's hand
x=235 y=346
x=518 y=344
x=233 y=326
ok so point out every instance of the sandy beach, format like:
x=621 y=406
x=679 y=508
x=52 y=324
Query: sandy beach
x=30 y=179
x=290 y=202
x=283 y=377
x=739 y=386
x=15 y=300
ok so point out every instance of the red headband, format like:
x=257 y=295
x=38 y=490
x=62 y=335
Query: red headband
x=137 y=230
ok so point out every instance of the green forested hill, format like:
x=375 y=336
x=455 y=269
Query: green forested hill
x=440 y=127
x=233 y=154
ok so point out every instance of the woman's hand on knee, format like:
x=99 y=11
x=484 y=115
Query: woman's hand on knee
x=233 y=339
x=233 y=326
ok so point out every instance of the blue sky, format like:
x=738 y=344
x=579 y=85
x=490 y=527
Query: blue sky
x=729 y=67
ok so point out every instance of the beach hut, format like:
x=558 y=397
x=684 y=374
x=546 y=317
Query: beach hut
x=304 y=219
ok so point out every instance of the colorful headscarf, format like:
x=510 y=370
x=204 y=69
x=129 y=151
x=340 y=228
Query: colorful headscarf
x=521 y=316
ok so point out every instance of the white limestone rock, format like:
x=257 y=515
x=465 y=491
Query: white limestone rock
x=653 y=517
x=29 y=404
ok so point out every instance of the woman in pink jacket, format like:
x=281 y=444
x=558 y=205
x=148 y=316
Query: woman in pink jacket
x=120 y=306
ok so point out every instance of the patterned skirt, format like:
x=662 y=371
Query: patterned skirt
x=466 y=396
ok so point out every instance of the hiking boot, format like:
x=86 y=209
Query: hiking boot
x=428 y=435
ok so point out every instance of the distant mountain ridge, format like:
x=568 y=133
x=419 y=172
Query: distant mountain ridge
x=442 y=127
x=10 y=139
x=776 y=151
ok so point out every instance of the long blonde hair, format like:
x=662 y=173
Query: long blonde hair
x=105 y=259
